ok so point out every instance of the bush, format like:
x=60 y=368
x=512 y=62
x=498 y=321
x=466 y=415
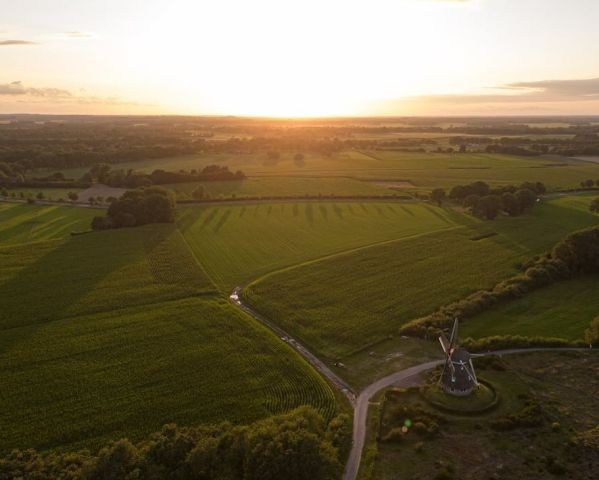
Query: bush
x=395 y=435
x=101 y=223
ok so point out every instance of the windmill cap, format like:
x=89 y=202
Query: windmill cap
x=460 y=355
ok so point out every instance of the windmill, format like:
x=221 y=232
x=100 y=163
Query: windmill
x=458 y=377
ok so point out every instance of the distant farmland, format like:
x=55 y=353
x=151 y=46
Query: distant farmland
x=425 y=170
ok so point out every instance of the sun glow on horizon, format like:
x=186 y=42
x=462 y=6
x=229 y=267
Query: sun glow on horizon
x=285 y=59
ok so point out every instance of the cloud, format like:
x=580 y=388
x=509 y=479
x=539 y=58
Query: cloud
x=538 y=91
x=56 y=99
x=77 y=34
x=543 y=96
x=5 y=43
x=566 y=89
x=17 y=88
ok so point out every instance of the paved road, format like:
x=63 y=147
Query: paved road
x=303 y=351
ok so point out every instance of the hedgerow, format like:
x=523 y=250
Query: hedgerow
x=577 y=254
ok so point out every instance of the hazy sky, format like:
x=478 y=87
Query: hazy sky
x=292 y=57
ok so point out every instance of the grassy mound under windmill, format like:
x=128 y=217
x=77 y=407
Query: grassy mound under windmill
x=482 y=399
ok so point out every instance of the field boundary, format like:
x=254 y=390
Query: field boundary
x=351 y=250
x=312 y=359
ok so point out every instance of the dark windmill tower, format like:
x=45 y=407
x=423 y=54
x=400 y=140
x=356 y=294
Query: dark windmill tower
x=458 y=377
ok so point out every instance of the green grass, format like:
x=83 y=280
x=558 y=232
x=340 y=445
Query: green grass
x=280 y=186
x=237 y=243
x=340 y=305
x=563 y=310
x=82 y=381
x=20 y=223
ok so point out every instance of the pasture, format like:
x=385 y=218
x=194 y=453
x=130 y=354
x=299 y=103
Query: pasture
x=237 y=243
x=21 y=223
x=564 y=309
x=342 y=304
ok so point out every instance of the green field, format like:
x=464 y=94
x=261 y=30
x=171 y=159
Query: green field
x=342 y=304
x=280 y=186
x=564 y=309
x=112 y=334
x=84 y=380
x=96 y=272
x=21 y=223
x=425 y=170
x=237 y=243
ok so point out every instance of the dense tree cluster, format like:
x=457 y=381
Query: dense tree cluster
x=138 y=207
x=295 y=446
x=12 y=173
x=486 y=202
x=576 y=254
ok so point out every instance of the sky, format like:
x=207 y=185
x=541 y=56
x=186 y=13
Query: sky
x=300 y=58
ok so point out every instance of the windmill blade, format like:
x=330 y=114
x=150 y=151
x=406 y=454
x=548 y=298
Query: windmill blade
x=472 y=371
x=443 y=372
x=444 y=343
x=453 y=339
x=451 y=368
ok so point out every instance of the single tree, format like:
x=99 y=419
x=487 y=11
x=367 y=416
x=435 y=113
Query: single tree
x=510 y=204
x=471 y=201
x=591 y=334
x=595 y=205
x=488 y=207
x=438 y=195
x=73 y=197
x=526 y=198
x=198 y=193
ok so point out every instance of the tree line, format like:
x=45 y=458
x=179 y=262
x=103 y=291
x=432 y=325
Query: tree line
x=575 y=255
x=299 y=445
x=106 y=174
